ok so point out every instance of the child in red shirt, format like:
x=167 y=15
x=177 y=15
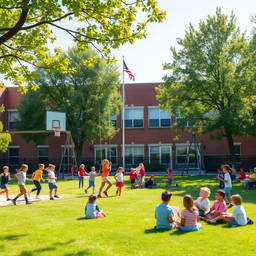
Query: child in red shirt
x=242 y=174
x=81 y=173
x=133 y=177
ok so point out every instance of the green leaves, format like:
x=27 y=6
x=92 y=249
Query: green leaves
x=26 y=31
x=213 y=72
x=89 y=95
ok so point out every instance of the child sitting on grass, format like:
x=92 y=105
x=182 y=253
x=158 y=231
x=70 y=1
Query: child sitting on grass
x=189 y=216
x=163 y=212
x=218 y=208
x=92 y=210
x=238 y=217
x=202 y=202
x=151 y=182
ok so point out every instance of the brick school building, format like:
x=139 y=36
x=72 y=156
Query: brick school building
x=150 y=138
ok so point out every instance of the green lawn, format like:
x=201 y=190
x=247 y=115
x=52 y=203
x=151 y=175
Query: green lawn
x=53 y=227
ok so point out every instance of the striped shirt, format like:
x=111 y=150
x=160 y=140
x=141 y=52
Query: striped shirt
x=190 y=218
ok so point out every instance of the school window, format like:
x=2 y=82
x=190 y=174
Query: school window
x=134 y=155
x=134 y=117
x=160 y=154
x=42 y=154
x=105 y=152
x=158 y=118
x=182 y=153
x=13 y=116
x=179 y=119
x=113 y=120
x=13 y=155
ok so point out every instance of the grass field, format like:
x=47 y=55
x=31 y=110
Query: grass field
x=53 y=227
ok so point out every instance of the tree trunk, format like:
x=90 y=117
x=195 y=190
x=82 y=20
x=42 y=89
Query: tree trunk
x=231 y=147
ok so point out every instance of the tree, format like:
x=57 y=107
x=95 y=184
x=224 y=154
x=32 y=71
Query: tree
x=212 y=80
x=26 y=31
x=89 y=96
x=5 y=138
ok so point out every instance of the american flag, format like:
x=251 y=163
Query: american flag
x=128 y=71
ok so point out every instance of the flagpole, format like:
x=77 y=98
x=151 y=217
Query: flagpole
x=123 y=119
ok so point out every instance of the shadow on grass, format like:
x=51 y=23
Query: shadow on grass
x=12 y=237
x=180 y=233
x=54 y=247
x=155 y=230
x=82 y=218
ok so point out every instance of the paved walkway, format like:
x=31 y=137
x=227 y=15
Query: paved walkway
x=21 y=200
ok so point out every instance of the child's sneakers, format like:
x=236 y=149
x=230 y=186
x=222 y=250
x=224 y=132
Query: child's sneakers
x=14 y=201
x=56 y=196
x=51 y=198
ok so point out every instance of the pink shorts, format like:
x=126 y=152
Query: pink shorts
x=119 y=184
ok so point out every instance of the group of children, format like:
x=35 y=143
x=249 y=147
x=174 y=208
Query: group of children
x=168 y=217
x=37 y=177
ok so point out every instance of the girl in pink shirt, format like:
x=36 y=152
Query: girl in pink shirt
x=189 y=216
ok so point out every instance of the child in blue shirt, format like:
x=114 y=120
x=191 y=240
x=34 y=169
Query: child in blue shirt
x=92 y=210
x=163 y=212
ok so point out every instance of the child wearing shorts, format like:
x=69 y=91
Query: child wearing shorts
x=92 y=210
x=5 y=178
x=52 y=181
x=92 y=174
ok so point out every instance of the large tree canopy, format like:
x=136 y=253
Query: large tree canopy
x=89 y=96
x=212 y=80
x=26 y=31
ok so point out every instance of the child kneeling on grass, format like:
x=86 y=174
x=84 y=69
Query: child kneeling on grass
x=189 y=216
x=92 y=210
x=238 y=217
x=163 y=212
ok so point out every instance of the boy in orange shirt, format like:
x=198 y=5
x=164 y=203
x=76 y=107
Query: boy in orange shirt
x=106 y=168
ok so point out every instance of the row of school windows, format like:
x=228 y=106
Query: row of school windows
x=134 y=154
x=134 y=118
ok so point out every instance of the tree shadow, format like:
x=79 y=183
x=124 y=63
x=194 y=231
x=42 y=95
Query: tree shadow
x=12 y=237
x=53 y=247
x=155 y=230
x=80 y=253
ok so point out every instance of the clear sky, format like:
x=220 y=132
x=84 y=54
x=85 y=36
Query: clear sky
x=146 y=57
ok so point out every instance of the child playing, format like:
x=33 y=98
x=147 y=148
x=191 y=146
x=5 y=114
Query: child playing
x=142 y=173
x=163 y=212
x=6 y=177
x=81 y=173
x=238 y=217
x=52 y=181
x=133 y=176
x=119 y=177
x=189 y=216
x=21 y=175
x=106 y=168
x=202 y=202
x=218 y=208
x=37 y=176
x=227 y=184
x=92 y=174
x=151 y=182
x=92 y=210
